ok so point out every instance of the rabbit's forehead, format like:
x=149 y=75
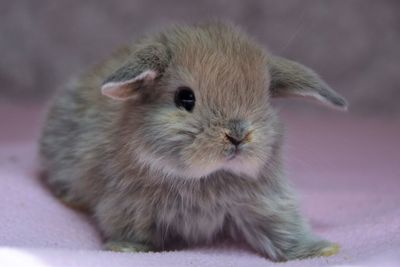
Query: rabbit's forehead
x=223 y=81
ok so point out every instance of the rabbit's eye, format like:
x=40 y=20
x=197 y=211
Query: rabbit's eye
x=184 y=97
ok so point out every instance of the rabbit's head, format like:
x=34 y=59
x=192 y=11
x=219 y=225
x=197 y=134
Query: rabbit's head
x=197 y=100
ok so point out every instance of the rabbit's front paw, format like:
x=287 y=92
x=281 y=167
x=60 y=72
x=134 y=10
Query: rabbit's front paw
x=123 y=246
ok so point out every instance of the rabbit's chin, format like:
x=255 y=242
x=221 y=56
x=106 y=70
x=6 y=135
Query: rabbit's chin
x=246 y=168
x=240 y=164
x=237 y=166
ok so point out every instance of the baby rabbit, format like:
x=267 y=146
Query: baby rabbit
x=173 y=142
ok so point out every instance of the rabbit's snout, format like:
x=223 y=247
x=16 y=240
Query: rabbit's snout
x=238 y=132
x=235 y=141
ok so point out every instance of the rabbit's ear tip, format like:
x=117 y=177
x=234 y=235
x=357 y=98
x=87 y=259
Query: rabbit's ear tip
x=339 y=103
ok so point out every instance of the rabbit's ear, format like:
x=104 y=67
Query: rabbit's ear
x=128 y=89
x=289 y=78
x=139 y=71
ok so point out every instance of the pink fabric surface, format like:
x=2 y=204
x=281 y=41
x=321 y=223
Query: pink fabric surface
x=346 y=170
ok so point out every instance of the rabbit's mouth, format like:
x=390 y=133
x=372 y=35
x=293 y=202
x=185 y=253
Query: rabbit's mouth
x=238 y=161
x=231 y=157
x=232 y=153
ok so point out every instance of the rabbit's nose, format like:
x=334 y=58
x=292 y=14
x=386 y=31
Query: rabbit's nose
x=237 y=132
x=234 y=140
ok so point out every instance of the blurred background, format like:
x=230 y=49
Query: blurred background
x=352 y=44
x=344 y=165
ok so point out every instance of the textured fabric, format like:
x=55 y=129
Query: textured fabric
x=346 y=171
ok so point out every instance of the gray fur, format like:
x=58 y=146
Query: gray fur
x=155 y=57
x=155 y=176
x=291 y=78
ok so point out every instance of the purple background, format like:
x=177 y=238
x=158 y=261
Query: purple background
x=353 y=44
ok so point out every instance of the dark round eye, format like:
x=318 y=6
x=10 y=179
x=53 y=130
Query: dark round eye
x=184 y=97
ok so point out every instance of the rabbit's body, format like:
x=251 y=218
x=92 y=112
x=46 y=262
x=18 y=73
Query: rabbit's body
x=155 y=175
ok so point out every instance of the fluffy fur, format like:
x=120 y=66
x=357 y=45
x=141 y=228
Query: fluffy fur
x=154 y=175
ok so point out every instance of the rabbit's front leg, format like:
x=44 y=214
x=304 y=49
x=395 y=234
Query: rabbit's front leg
x=274 y=227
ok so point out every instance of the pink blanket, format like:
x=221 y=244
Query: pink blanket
x=347 y=172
